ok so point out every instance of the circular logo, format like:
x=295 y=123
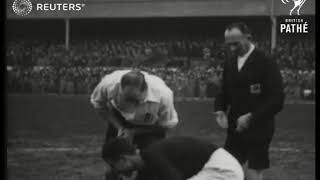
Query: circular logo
x=22 y=7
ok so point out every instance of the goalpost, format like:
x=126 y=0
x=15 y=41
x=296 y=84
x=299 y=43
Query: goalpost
x=67 y=33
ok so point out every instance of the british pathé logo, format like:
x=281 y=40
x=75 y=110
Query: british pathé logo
x=297 y=5
x=294 y=26
x=22 y=7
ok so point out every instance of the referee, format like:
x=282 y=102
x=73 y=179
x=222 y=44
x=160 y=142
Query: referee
x=251 y=96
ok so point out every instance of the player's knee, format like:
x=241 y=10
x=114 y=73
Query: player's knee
x=253 y=174
x=110 y=175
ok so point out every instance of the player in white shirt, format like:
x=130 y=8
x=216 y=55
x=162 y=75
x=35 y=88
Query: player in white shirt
x=135 y=105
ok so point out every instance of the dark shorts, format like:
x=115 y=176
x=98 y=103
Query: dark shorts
x=255 y=153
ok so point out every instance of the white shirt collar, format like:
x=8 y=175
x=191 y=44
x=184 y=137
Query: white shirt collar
x=242 y=59
x=152 y=95
x=245 y=56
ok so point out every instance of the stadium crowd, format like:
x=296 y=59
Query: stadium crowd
x=47 y=67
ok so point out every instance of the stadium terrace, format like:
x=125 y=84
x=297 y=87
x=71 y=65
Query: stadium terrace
x=59 y=6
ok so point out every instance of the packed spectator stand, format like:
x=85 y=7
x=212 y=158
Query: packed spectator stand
x=192 y=68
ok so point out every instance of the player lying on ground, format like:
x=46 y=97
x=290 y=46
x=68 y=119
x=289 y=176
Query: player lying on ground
x=175 y=158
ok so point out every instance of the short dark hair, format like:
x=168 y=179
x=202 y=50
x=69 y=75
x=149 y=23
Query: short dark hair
x=134 y=78
x=242 y=27
x=114 y=148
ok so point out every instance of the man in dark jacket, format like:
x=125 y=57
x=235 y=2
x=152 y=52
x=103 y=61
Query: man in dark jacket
x=251 y=96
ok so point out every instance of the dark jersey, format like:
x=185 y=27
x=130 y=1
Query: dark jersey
x=175 y=158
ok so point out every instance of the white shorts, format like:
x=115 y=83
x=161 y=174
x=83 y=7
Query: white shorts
x=221 y=166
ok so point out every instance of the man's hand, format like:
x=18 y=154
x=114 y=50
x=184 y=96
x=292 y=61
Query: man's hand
x=126 y=133
x=243 y=122
x=222 y=119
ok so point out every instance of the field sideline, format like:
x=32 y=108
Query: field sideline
x=59 y=137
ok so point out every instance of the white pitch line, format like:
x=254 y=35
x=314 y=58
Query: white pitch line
x=92 y=151
x=290 y=150
x=285 y=149
x=54 y=149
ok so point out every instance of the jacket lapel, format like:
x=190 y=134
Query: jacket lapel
x=246 y=65
x=233 y=64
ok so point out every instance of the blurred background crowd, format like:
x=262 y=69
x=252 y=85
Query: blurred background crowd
x=192 y=68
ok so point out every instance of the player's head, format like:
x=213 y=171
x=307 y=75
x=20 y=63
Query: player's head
x=121 y=155
x=133 y=88
x=237 y=38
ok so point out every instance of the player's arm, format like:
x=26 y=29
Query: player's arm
x=168 y=116
x=273 y=89
x=108 y=115
x=99 y=100
x=154 y=129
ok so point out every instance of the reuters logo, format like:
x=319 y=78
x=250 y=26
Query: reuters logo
x=22 y=7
